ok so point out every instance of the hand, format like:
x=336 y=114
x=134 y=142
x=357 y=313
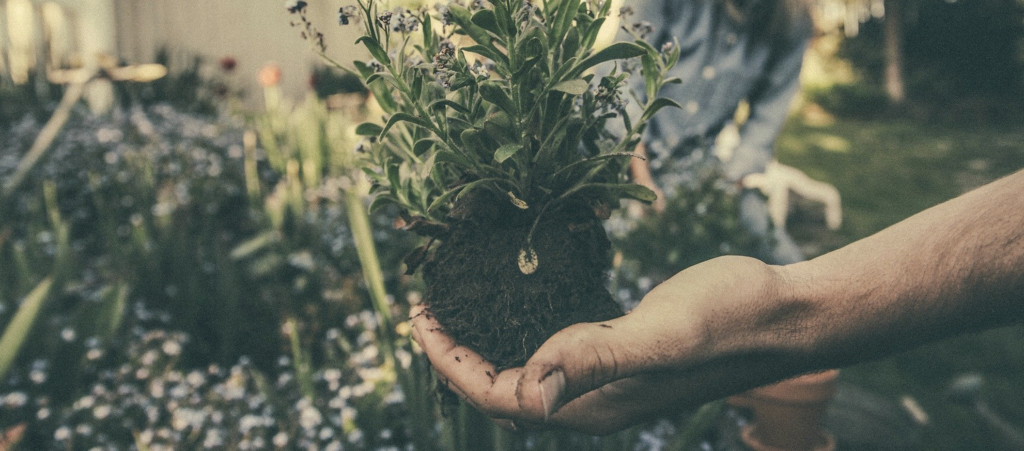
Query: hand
x=676 y=350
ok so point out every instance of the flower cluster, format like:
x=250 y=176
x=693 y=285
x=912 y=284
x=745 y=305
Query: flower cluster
x=347 y=15
x=309 y=32
x=444 y=63
x=166 y=193
x=406 y=22
x=144 y=398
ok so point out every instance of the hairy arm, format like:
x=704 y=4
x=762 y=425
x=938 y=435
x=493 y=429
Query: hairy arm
x=734 y=323
x=957 y=267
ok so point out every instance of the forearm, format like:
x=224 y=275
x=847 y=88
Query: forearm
x=957 y=267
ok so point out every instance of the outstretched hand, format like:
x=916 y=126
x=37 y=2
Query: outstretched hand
x=734 y=323
x=603 y=377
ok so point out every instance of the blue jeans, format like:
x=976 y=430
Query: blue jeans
x=776 y=246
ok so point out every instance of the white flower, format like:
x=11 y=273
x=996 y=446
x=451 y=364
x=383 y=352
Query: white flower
x=171 y=348
x=213 y=439
x=101 y=412
x=62 y=433
x=85 y=402
x=310 y=418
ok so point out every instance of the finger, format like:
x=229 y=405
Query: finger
x=620 y=404
x=416 y=315
x=580 y=359
x=465 y=372
x=636 y=399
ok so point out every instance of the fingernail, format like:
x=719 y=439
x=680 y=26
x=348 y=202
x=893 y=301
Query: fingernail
x=552 y=387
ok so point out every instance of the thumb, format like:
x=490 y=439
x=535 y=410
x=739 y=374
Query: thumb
x=579 y=359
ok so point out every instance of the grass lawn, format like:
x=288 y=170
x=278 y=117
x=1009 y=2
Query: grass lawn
x=886 y=171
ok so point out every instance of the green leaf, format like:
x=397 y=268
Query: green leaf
x=571 y=44
x=591 y=36
x=657 y=105
x=504 y=19
x=482 y=50
x=651 y=71
x=473 y=142
x=404 y=117
x=380 y=201
x=111 y=312
x=394 y=173
x=633 y=191
x=427 y=167
x=501 y=128
x=390 y=79
x=574 y=87
x=630 y=190
x=493 y=92
x=463 y=18
x=592 y=160
x=477 y=184
x=445 y=156
x=504 y=152
x=567 y=10
x=375 y=49
x=616 y=51
x=440 y=104
x=423 y=145
x=18 y=328
x=486 y=19
x=444 y=198
x=370 y=173
x=363 y=69
x=256 y=244
x=369 y=129
x=430 y=39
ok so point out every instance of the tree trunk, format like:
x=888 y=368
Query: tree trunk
x=895 y=86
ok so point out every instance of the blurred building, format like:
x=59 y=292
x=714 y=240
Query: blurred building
x=37 y=35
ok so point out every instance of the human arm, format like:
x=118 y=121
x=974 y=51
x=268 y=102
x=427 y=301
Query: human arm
x=734 y=323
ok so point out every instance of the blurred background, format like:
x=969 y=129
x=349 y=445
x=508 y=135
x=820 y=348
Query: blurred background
x=186 y=261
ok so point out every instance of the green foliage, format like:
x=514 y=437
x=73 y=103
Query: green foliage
x=502 y=97
x=953 y=51
x=700 y=222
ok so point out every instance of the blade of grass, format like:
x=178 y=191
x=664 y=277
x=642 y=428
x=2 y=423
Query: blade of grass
x=302 y=370
x=46 y=136
x=362 y=234
x=18 y=329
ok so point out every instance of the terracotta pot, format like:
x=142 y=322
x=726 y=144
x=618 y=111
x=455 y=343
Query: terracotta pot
x=788 y=415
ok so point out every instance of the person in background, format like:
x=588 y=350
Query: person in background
x=730 y=51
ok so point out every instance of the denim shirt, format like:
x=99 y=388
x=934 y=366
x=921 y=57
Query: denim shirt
x=720 y=64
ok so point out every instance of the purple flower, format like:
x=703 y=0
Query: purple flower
x=295 y=6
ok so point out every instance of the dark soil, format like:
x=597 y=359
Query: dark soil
x=480 y=297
